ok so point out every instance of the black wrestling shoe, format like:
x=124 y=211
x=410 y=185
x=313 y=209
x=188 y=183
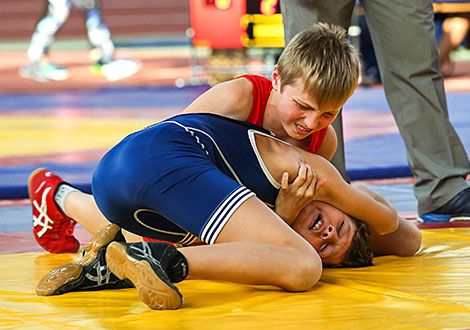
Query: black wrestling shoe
x=457 y=209
x=152 y=267
x=90 y=273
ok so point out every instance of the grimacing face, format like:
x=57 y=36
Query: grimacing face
x=300 y=115
x=328 y=229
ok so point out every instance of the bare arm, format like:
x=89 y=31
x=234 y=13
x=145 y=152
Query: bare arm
x=280 y=157
x=231 y=99
x=403 y=242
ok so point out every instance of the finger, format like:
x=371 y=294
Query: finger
x=311 y=178
x=312 y=174
x=301 y=175
x=285 y=181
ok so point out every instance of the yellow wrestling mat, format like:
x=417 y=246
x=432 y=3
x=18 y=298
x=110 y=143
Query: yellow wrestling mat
x=428 y=291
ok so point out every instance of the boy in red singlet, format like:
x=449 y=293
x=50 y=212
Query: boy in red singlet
x=317 y=72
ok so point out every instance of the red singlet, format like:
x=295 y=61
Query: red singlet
x=261 y=90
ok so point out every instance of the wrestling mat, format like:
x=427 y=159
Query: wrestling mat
x=68 y=129
x=427 y=291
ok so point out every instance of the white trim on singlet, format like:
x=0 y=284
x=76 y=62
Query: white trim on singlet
x=251 y=136
x=223 y=213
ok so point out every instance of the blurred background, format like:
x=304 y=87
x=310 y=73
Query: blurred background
x=195 y=42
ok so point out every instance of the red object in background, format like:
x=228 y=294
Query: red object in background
x=216 y=27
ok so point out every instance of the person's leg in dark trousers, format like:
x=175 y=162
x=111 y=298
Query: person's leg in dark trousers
x=403 y=35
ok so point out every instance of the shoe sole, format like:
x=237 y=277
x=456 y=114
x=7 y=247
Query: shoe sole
x=33 y=77
x=43 y=79
x=152 y=290
x=63 y=277
x=436 y=218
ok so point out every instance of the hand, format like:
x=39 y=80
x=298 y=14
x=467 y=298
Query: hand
x=292 y=198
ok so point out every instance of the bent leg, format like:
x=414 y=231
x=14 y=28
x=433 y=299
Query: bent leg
x=256 y=247
x=83 y=209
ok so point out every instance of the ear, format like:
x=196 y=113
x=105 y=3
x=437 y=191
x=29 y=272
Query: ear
x=276 y=79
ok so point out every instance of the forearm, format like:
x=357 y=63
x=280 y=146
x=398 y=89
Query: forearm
x=359 y=202
x=405 y=241
x=280 y=157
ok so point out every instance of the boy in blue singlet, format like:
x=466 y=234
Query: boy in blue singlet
x=298 y=105
x=200 y=173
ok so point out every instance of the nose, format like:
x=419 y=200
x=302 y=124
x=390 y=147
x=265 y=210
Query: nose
x=329 y=233
x=311 y=121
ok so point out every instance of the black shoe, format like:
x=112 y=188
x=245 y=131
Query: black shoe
x=152 y=267
x=457 y=209
x=90 y=273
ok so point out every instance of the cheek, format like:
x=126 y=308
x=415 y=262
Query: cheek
x=324 y=122
x=311 y=238
x=288 y=113
x=314 y=241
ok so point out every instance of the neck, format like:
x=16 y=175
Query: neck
x=271 y=120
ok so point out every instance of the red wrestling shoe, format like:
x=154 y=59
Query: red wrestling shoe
x=52 y=229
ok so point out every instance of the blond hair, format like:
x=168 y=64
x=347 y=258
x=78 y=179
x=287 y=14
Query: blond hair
x=326 y=62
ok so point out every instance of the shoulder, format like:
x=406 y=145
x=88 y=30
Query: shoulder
x=237 y=94
x=231 y=99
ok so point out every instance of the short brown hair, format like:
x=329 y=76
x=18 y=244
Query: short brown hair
x=325 y=60
x=360 y=253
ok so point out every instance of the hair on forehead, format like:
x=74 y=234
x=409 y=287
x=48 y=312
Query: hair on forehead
x=324 y=59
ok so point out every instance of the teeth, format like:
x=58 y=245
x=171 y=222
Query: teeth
x=319 y=223
x=302 y=128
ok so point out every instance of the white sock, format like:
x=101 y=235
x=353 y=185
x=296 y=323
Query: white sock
x=61 y=195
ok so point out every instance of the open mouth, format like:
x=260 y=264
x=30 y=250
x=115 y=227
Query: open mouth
x=317 y=223
x=303 y=129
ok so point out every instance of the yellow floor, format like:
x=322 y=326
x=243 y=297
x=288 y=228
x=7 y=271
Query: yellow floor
x=428 y=291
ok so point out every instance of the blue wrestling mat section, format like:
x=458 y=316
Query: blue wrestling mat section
x=95 y=120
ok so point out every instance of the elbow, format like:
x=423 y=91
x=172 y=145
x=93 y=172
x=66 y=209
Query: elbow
x=412 y=244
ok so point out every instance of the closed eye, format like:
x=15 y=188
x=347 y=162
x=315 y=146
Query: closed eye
x=303 y=107
x=340 y=227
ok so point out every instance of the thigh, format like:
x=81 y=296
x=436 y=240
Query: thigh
x=253 y=221
x=167 y=171
x=399 y=27
x=198 y=197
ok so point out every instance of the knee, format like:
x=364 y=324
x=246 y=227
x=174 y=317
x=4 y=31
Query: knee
x=305 y=274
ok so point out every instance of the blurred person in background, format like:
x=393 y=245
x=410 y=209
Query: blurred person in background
x=56 y=14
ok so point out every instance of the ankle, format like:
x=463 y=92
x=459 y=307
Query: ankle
x=61 y=194
x=177 y=269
